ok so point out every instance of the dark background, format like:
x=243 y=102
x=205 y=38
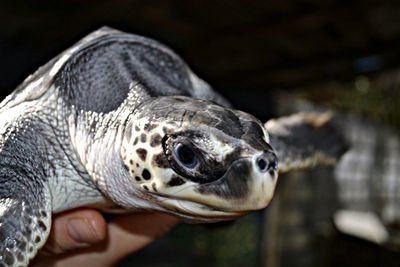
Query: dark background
x=261 y=55
x=245 y=49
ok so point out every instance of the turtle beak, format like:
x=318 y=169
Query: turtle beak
x=248 y=184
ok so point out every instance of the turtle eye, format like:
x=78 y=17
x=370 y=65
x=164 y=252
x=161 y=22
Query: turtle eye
x=185 y=155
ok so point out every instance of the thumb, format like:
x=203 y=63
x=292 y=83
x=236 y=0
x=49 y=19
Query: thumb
x=75 y=229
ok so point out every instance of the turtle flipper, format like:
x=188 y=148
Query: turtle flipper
x=25 y=219
x=303 y=140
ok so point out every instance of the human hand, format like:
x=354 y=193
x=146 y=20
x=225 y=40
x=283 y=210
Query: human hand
x=84 y=238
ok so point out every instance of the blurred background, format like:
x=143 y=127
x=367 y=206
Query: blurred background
x=269 y=58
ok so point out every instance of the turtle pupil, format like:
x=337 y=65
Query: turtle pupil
x=186 y=155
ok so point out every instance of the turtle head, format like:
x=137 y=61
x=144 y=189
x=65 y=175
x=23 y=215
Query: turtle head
x=199 y=160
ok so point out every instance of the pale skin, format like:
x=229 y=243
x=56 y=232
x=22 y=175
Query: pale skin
x=84 y=238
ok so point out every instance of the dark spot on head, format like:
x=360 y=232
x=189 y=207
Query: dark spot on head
x=137 y=178
x=37 y=239
x=146 y=174
x=137 y=165
x=131 y=161
x=43 y=214
x=149 y=127
x=135 y=141
x=22 y=244
x=143 y=138
x=142 y=153
x=155 y=140
x=160 y=161
x=30 y=249
x=153 y=185
x=137 y=128
x=126 y=167
x=146 y=188
x=175 y=181
x=42 y=225
x=132 y=172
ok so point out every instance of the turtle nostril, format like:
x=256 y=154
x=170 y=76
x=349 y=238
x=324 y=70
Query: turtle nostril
x=267 y=161
x=273 y=164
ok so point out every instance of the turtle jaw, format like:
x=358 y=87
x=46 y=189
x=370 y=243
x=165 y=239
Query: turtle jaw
x=245 y=187
x=194 y=212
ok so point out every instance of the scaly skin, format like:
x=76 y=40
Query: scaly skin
x=39 y=174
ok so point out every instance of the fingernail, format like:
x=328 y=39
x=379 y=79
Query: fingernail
x=82 y=231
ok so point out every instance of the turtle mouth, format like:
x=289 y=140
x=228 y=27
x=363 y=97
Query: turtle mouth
x=197 y=212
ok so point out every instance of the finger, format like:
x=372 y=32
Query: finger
x=126 y=234
x=75 y=229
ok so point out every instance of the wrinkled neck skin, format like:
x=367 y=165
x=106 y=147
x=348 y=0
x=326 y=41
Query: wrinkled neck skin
x=97 y=139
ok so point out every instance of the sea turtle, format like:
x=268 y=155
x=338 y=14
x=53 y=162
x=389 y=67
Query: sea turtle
x=119 y=122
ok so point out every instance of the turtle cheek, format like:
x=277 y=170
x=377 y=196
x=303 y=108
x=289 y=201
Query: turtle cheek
x=234 y=184
x=242 y=188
